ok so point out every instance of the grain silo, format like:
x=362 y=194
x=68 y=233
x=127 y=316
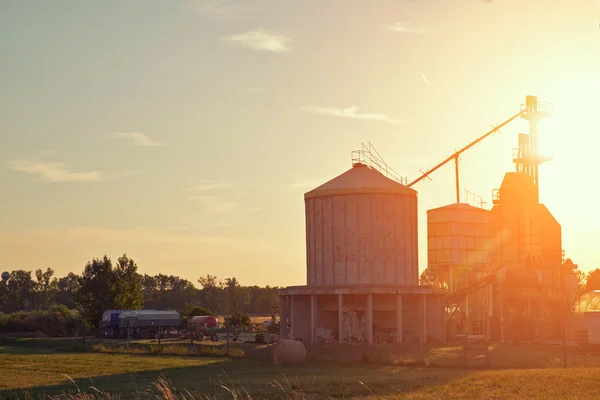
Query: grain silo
x=361 y=229
x=362 y=264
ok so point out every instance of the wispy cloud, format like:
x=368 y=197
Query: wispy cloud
x=222 y=9
x=138 y=139
x=53 y=171
x=214 y=204
x=261 y=40
x=253 y=209
x=207 y=185
x=408 y=28
x=352 y=112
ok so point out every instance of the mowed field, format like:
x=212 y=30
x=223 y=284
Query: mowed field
x=34 y=370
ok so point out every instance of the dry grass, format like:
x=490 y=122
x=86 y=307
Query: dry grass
x=33 y=373
x=172 y=350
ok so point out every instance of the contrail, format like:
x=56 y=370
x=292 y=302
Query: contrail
x=425 y=79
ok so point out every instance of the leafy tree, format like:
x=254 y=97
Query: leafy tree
x=238 y=319
x=191 y=311
x=127 y=285
x=67 y=287
x=237 y=297
x=211 y=289
x=19 y=291
x=581 y=282
x=102 y=288
x=46 y=287
x=434 y=276
x=592 y=282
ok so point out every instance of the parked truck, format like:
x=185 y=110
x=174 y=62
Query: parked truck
x=109 y=326
x=148 y=323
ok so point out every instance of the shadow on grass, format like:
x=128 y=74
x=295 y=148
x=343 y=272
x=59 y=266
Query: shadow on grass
x=252 y=380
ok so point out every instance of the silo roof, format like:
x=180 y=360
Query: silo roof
x=360 y=179
x=458 y=206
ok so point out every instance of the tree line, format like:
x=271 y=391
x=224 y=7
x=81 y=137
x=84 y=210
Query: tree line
x=437 y=276
x=105 y=284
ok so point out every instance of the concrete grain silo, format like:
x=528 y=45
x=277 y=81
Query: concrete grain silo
x=362 y=265
x=361 y=229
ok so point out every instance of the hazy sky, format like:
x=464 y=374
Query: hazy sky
x=186 y=132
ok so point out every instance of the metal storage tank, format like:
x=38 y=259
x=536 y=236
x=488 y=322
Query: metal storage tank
x=361 y=229
x=459 y=235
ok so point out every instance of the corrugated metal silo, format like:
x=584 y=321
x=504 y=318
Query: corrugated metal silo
x=458 y=235
x=361 y=229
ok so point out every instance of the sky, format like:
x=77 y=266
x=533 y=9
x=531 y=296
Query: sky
x=185 y=132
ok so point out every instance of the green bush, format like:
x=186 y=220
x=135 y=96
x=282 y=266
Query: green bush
x=56 y=321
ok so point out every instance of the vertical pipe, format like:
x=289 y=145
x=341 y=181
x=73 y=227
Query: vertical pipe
x=456 y=178
x=369 y=319
x=399 y=327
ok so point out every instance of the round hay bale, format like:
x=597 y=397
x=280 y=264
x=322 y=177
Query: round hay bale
x=289 y=352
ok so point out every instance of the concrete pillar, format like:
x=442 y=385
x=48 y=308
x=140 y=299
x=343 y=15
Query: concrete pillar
x=313 y=318
x=292 y=336
x=490 y=313
x=424 y=318
x=399 y=325
x=341 y=318
x=442 y=310
x=283 y=317
x=369 y=319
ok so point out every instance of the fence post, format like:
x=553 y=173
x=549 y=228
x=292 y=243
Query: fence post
x=564 y=345
x=466 y=357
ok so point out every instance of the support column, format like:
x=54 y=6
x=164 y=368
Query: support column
x=424 y=318
x=399 y=325
x=341 y=318
x=442 y=319
x=369 y=312
x=283 y=317
x=491 y=312
x=313 y=317
x=292 y=336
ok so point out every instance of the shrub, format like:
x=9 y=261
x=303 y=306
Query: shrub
x=56 y=321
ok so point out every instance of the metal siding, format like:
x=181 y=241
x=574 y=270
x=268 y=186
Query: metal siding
x=458 y=235
x=339 y=240
x=364 y=228
x=327 y=240
x=362 y=239
x=352 y=240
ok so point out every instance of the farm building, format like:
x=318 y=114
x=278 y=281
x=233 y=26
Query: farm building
x=362 y=266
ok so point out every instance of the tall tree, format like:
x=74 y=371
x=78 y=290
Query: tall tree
x=210 y=287
x=127 y=285
x=592 y=281
x=236 y=295
x=46 y=287
x=102 y=288
x=67 y=287
x=20 y=291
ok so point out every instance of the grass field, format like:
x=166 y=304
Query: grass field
x=35 y=368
